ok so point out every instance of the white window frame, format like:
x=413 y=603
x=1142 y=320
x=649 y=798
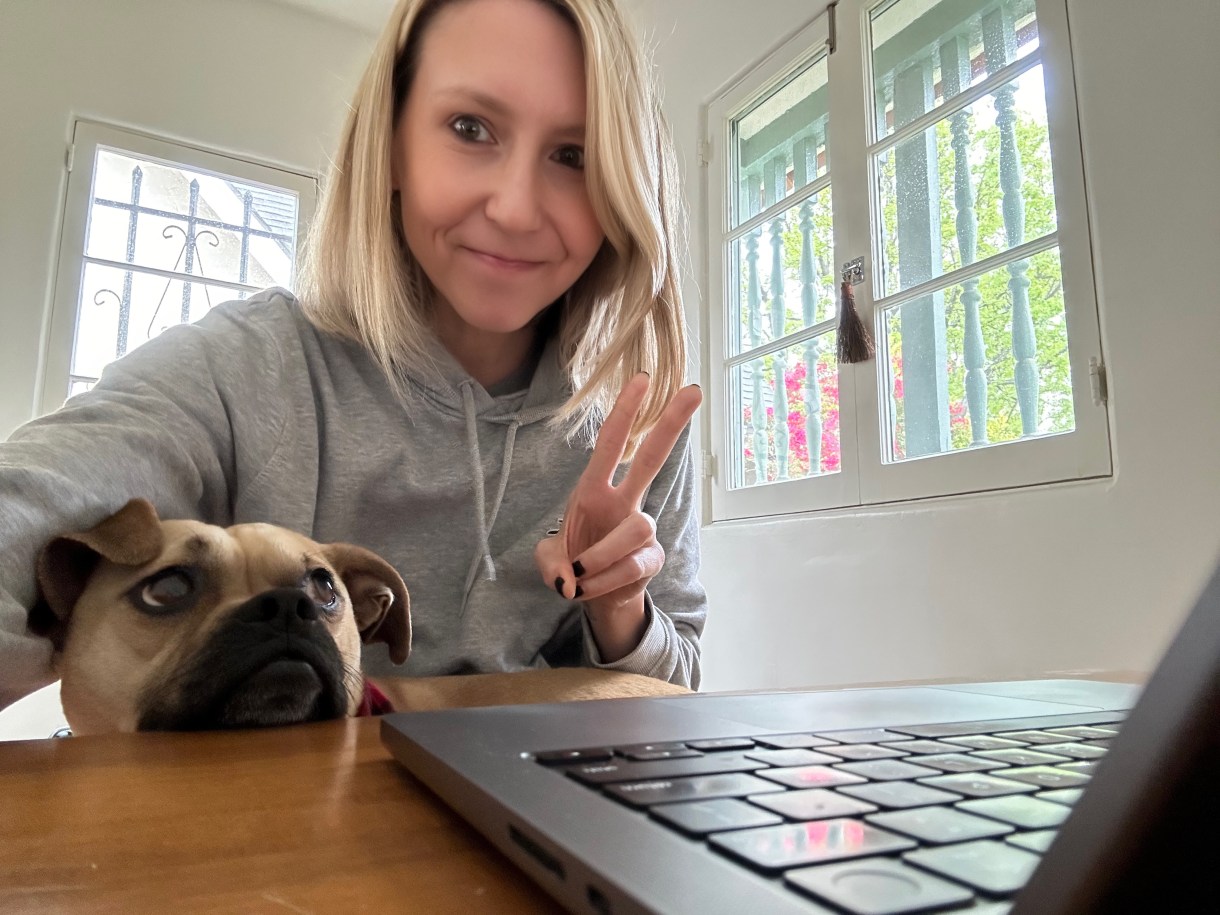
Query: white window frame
x=87 y=138
x=864 y=477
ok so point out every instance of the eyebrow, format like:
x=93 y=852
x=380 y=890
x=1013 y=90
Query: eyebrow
x=500 y=108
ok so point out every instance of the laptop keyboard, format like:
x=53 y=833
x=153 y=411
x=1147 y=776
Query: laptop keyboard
x=933 y=818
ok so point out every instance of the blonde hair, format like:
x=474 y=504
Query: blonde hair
x=624 y=315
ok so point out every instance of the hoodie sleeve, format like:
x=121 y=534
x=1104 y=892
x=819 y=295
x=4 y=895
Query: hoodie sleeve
x=675 y=602
x=158 y=425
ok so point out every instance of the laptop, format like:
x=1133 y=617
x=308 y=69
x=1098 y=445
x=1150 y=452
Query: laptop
x=1046 y=797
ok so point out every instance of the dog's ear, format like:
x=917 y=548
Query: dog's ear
x=379 y=597
x=131 y=537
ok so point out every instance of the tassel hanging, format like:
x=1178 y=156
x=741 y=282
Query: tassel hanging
x=855 y=343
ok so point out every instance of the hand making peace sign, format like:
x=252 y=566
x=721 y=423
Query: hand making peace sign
x=607 y=550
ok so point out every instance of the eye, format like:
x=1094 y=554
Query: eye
x=320 y=585
x=469 y=129
x=570 y=156
x=169 y=590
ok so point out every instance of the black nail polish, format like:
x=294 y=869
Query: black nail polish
x=579 y=590
x=578 y=569
x=559 y=586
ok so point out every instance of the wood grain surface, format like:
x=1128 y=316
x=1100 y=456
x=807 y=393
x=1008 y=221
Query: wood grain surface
x=313 y=818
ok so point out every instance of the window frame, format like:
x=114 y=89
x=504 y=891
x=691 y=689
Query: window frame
x=87 y=138
x=864 y=477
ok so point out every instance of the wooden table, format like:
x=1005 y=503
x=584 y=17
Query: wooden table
x=314 y=818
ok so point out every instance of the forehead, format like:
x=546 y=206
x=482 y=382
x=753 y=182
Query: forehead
x=524 y=51
x=188 y=541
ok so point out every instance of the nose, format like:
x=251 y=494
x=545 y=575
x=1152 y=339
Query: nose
x=514 y=201
x=281 y=610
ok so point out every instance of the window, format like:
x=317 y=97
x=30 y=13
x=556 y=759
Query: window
x=155 y=234
x=948 y=128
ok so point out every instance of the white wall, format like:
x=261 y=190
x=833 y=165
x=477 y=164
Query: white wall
x=1080 y=577
x=241 y=76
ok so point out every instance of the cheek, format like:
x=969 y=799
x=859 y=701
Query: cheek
x=583 y=235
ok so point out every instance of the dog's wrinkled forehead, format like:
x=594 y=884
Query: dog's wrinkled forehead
x=249 y=558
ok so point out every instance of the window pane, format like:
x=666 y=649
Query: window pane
x=785 y=276
x=925 y=53
x=780 y=143
x=791 y=430
x=169 y=217
x=121 y=309
x=979 y=363
x=943 y=192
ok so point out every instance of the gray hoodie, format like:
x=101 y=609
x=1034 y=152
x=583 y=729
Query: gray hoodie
x=252 y=414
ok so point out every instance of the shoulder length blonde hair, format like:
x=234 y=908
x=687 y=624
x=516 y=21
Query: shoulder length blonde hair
x=624 y=315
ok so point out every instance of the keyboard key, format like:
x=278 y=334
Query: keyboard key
x=870 y=735
x=810 y=777
x=863 y=751
x=721 y=743
x=877 y=886
x=985 y=742
x=774 y=848
x=812 y=804
x=700 y=787
x=959 y=762
x=1047 y=776
x=795 y=757
x=631 y=750
x=1080 y=767
x=1022 y=757
x=626 y=771
x=792 y=741
x=921 y=746
x=566 y=757
x=1066 y=796
x=886 y=770
x=1083 y=733
x=1033 y=736
x=986 y=865
x=1075 y=750
x=647 y=755
x=1038 y=841
x=939 y=825
x=1020 y=810
x=698 y=818
x=978 y=784
x=899 y=794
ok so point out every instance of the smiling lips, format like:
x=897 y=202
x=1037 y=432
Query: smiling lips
x=497 y=262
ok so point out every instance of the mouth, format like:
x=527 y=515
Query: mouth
x=285 y=691
x=501 y=263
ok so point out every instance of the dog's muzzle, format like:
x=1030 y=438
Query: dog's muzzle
x=273 y=662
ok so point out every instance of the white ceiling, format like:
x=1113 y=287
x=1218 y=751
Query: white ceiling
x=370 y=15
x=367 y=15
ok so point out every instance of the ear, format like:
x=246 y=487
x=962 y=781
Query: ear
x=130 y=537
x=379 y=597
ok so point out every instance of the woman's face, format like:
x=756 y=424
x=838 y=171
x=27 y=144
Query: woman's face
x=488 y=158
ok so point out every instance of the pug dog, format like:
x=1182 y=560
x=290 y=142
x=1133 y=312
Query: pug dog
x=181 y=625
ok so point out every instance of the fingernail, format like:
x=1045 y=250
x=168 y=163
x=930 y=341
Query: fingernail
x=559 y=586
x=579 y=590
x=578 y=569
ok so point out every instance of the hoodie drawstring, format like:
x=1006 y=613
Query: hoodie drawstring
x=485 y=523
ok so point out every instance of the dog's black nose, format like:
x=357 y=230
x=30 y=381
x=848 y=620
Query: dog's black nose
x=289 y=606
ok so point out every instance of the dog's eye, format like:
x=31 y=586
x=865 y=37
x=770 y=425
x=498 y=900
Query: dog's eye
x=166 y=590
x=321 y=587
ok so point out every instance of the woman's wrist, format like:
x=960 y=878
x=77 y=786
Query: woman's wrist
x=618 y=626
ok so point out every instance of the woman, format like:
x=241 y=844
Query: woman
x=493 y=261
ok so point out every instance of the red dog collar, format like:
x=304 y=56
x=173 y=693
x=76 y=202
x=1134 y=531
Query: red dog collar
x=374 y=702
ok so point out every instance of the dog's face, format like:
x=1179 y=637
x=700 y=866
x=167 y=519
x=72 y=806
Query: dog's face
x=178 y=625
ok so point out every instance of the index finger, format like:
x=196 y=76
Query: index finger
x=613 y=435
x=659 y=443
